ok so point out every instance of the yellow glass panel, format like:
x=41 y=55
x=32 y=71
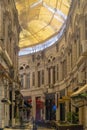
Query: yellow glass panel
x=39 y=20
x=56 y=24
x=64 y=9
x=35 y=26
x=45 y=15
x=51 y=3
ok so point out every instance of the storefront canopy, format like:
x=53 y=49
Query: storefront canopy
x=79 y=91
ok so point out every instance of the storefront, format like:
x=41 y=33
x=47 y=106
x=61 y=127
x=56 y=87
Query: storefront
x=79 y=100
x=27 y=107
x=50 y=106
x=39 y=108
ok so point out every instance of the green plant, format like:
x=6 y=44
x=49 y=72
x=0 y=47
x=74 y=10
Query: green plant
x=72 y=117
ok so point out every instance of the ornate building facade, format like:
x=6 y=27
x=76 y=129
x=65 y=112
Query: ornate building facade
x=52 y=76
x=9 y=38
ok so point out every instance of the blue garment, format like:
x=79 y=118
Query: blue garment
x=54 y=108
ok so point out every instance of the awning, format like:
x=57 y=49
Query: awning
x=79 y=91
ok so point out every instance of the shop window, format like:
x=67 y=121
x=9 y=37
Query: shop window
x=62 y=106
x=38 y=108
x=62 y=111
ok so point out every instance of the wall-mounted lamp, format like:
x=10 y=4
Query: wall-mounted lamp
x=6 y=101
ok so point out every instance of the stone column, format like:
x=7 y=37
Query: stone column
x=78 y=50
x=68 y=63
x=74 y=56
x=44 y=106
x=1 y=20
x=13 y=104
x=81 y=115
x=30 y=77
x=36 y=77
x=46 y=76
x=60 y=71
x=85 y=117
x=2 y=107
x=43 y=109
x=66 y=105
x=51 y=75
x=82 y=29
x=24 y=77
x=58 y=109
x=34 y=107
x=56 y=103
x=6 y=105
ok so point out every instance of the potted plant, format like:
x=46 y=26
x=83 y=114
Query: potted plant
x=72 y=117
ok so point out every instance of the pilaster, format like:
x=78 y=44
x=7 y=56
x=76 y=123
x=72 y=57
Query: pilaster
x=85 y=117
x=34 y=107
x=51 y=75
x=24 y=77
x=1 y=21
x=2 y=107
x=13 y=107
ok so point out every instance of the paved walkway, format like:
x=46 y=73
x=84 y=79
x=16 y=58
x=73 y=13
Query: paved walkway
x=44 y=128
x=39 y=128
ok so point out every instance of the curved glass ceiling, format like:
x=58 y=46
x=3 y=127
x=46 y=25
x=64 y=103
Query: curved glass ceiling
x=40 y=21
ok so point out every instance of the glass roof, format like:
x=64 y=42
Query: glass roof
x=40 y=21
